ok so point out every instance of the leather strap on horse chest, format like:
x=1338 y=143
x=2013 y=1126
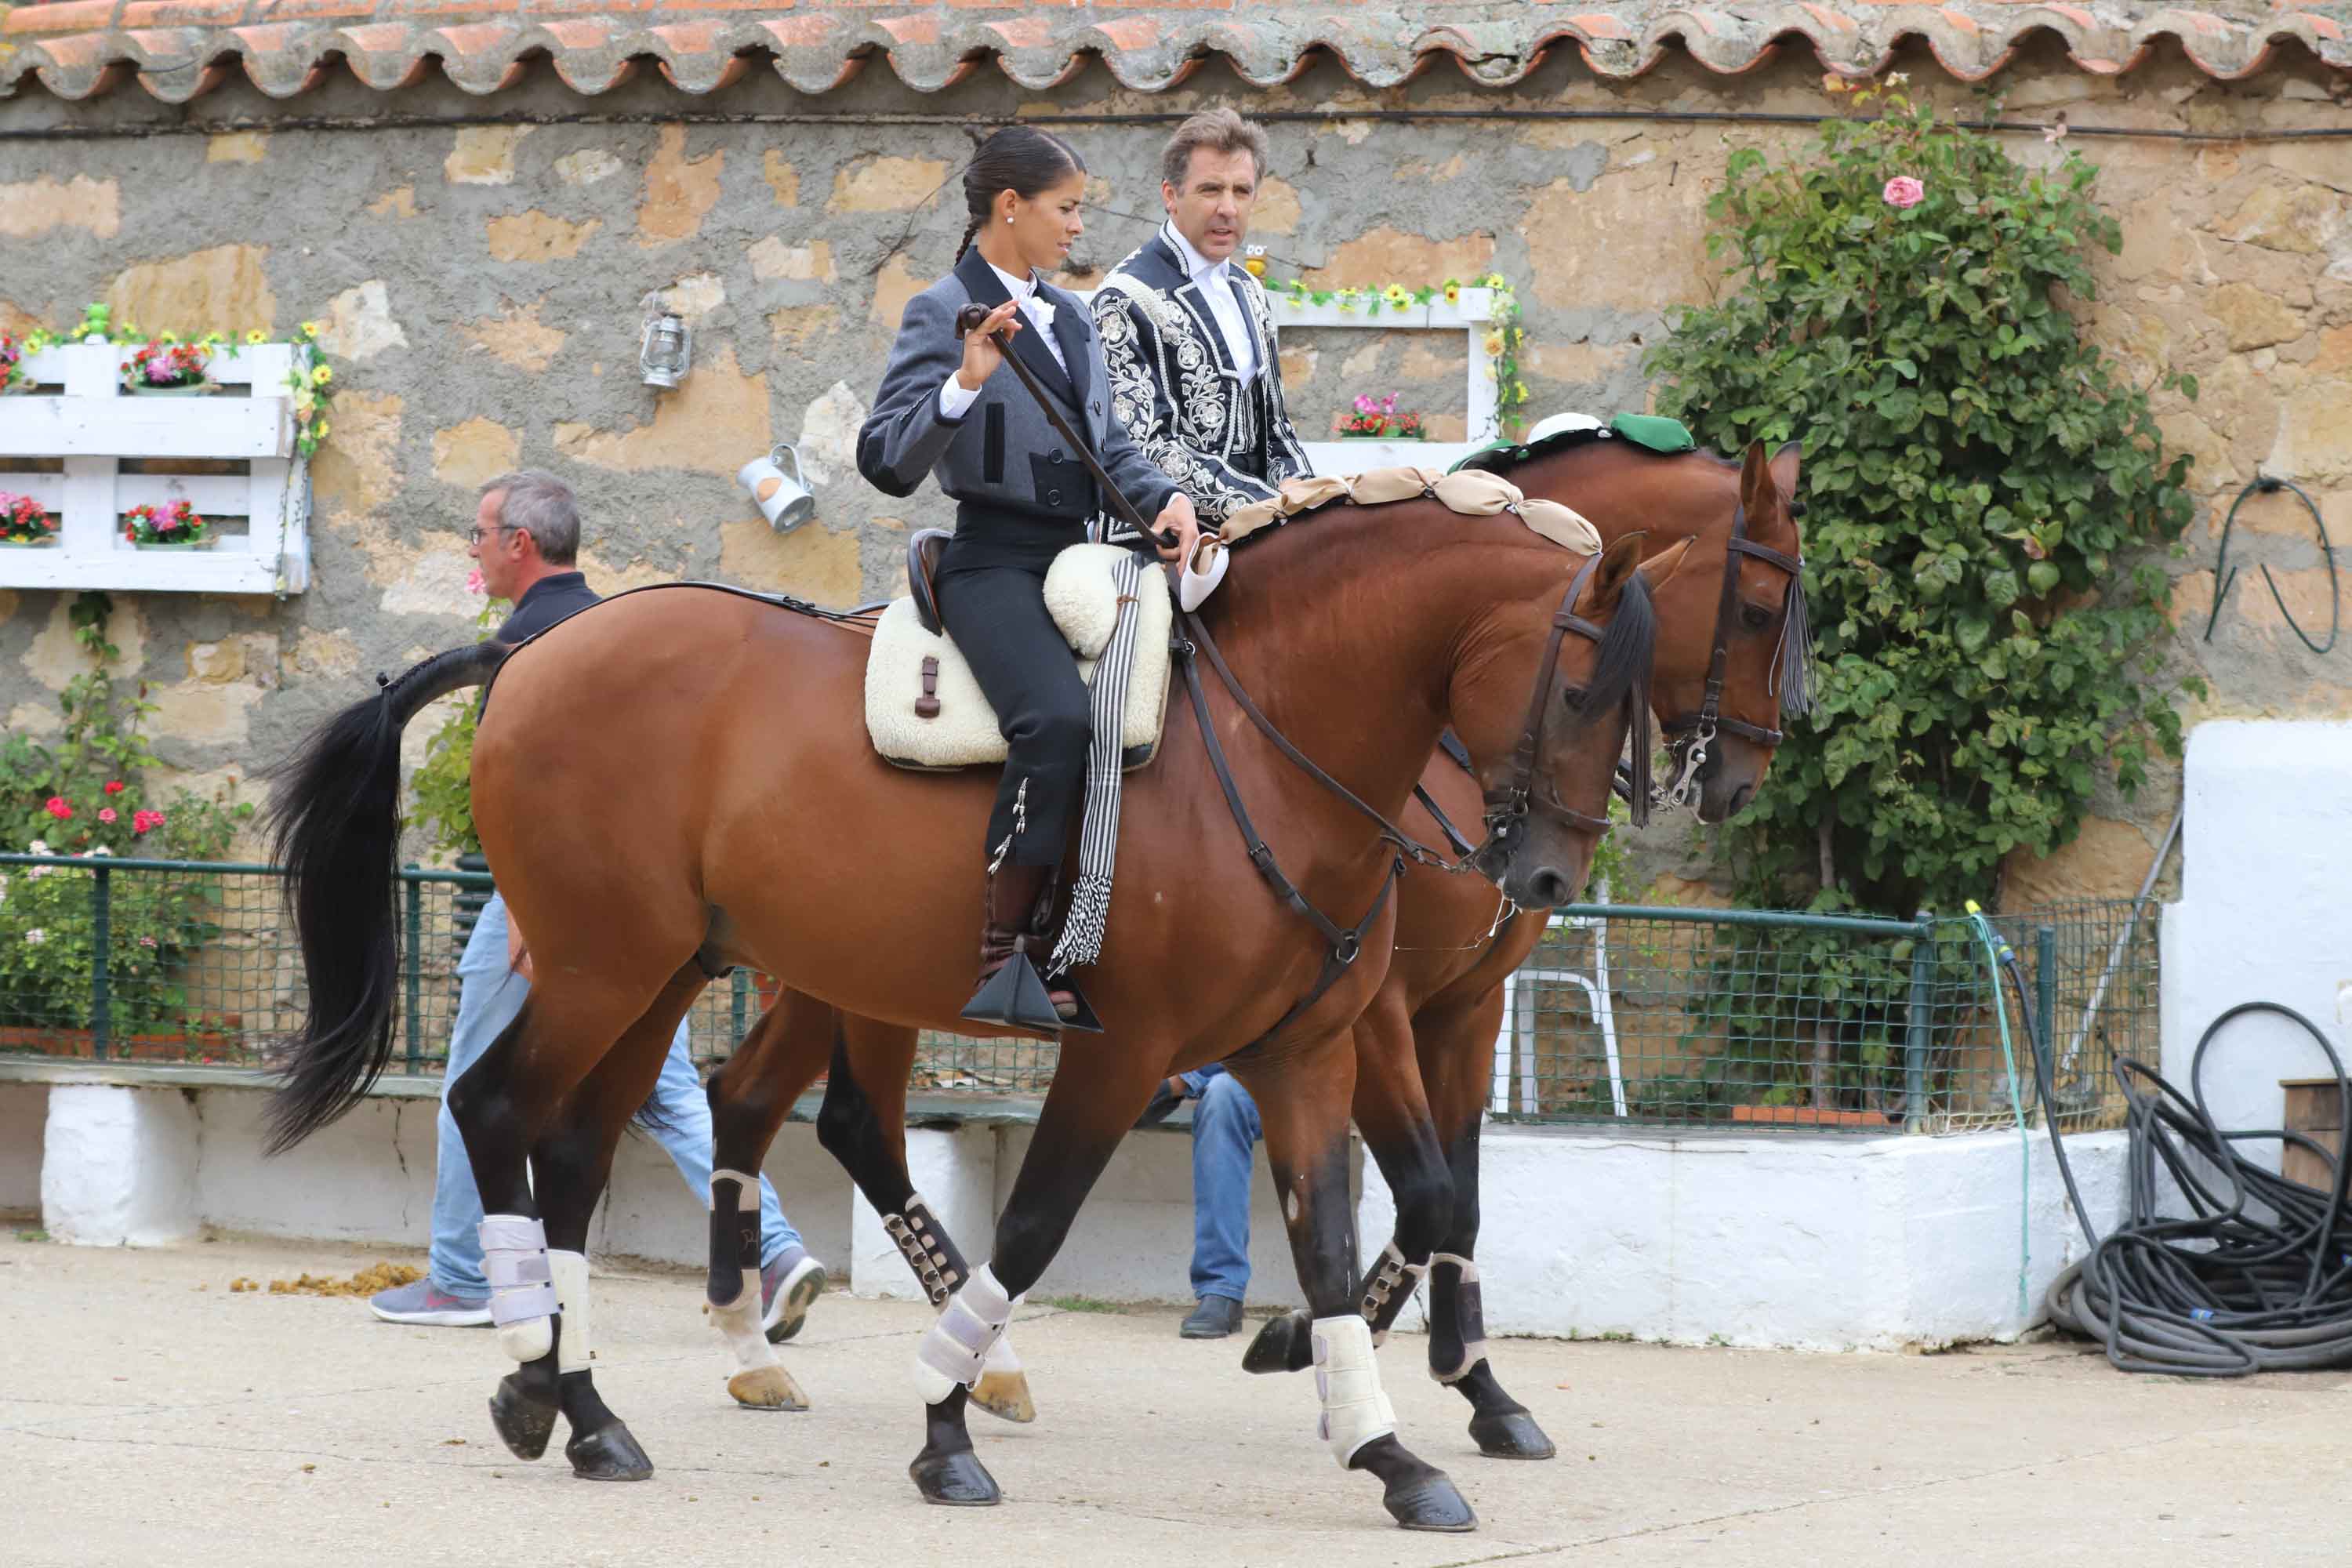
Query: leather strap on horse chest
x=1343 y=946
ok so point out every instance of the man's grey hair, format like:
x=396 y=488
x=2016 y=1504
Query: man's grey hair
x=1218 y=131
x=543 y=507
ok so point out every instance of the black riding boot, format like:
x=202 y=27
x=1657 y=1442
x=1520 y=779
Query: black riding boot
x=1016 y=931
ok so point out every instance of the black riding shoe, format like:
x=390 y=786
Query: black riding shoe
x=1213 y=1319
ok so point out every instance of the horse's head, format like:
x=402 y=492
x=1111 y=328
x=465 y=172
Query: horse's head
x=1757 y=645
x=1544 y=702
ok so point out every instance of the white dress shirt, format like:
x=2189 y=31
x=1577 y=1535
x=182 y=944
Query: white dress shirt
x=954 y=400
x=1216 y=281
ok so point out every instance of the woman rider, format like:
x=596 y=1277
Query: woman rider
x=1021 y=498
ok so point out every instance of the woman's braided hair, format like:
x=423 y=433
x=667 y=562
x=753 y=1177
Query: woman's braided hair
x=1020 y=159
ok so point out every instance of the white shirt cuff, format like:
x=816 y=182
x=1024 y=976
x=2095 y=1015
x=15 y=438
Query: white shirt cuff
x=954 y=401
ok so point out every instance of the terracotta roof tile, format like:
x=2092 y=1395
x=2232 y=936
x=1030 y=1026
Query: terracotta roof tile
x=178 y=48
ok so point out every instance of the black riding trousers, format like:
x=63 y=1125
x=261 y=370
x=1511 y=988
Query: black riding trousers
x=996 y=615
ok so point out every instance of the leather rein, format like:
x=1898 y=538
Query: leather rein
x=1508 y=807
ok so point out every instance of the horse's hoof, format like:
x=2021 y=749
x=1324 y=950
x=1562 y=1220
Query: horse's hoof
x=766 y=1388
x=608 y=1454
x=1429 y=1503
x=524 y=1424
x=1513 y=1434
x=1284 y=1344
x=955 y=1479
x=1005 y=1396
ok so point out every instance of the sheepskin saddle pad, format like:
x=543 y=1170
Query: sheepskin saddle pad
x=924 y=709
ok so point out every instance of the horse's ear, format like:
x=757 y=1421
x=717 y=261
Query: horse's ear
x=1665 y=564
x=1783 y=468
x=1620 y=559
x=1758 y=494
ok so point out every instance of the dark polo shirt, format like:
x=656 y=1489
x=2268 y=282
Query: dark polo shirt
x=544 y=603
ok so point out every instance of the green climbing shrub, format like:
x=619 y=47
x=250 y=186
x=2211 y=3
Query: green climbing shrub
x=1982 y=488
x=83 y=792
x=443 y=782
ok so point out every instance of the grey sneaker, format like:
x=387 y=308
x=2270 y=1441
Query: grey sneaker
x=785 y=1293
x=423 y=1302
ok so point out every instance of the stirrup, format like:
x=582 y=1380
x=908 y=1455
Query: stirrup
x=1015 y=997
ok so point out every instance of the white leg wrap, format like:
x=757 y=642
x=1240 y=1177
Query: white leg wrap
x=523 y=1295
x=738 y=1321
x=1347 y=1381
x=573 y=1349
x=956 y=1347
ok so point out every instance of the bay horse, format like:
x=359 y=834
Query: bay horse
x=711 y=748
x=1424 y=1047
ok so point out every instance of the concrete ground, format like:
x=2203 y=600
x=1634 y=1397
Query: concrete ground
x=148 y=1414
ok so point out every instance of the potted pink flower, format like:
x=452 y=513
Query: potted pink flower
x=172 y=526
x=1377 y=419
x=12 y=354
x=24 y=520
x=163 y=369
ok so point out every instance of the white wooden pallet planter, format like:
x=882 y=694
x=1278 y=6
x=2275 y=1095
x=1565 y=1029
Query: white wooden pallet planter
x=93 y=426
x=1471 y=314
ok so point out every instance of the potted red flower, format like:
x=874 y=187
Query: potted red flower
x=162 y=368
x=24 y=520
x=172 y=526
x=1376 y=420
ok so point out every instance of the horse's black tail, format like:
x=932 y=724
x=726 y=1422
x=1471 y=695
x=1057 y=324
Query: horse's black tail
x=334 y=823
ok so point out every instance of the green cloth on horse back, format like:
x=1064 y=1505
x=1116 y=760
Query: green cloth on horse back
x=1652 y=432
x=1655 y=431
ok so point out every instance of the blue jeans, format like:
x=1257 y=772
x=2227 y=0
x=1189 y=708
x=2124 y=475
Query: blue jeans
x=489 y=995
x=1224 y=1130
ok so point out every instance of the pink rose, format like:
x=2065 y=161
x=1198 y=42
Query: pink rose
x=106 y=814
x=1902 y=191
x=474 y=582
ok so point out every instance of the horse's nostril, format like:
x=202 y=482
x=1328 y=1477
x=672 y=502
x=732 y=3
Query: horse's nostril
x=1548 y=888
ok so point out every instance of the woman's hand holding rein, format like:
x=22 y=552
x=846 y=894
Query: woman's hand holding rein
x=982 y=351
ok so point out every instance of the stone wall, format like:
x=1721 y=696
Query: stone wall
x=476 y=287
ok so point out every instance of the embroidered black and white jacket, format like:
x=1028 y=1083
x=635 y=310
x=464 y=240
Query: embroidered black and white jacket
x=1226 y=442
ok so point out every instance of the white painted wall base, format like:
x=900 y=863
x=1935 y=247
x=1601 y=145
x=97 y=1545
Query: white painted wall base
x=118 y=1165
x=1816 y=1243
x=2266 y=913
x=1808 y=1243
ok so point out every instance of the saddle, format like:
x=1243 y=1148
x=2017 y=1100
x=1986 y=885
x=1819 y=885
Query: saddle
x=924 y=709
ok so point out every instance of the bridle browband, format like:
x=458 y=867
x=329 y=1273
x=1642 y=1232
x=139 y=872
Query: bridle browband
x=1692 y=734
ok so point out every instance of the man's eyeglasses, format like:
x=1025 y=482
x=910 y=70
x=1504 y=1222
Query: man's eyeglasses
x=479 y=535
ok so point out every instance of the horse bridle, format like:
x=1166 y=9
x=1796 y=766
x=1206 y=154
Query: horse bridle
x=1690 y=735
x=1509 y=807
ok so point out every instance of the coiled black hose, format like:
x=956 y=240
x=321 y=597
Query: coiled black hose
x=2222 y=1292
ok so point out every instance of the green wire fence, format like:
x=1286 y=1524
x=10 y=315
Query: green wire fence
x=1738 y=1019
